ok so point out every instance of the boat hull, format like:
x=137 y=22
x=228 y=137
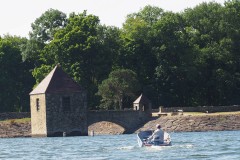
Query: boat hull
x=143 y=135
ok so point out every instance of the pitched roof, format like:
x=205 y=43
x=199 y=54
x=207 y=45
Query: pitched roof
x=57 y=81
x=142 y=99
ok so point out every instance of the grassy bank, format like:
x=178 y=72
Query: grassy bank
x=155 y=114
x=12 y=121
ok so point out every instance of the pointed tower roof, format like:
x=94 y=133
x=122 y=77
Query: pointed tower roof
x=57 y=81
x=142 y=99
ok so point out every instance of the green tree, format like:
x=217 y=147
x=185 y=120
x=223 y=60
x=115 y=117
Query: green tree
x=43 y=30
x=231 y=27
x=15 y=79
x=109 y=48
x=120 y=84
x=215 y=79
x=176 y=55
x=149 y=14
x=205 y=19
x=137 y=49
x=44 y=27
x=78 y=48
x=216 y=28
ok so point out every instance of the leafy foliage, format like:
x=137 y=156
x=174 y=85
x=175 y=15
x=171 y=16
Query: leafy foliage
x=120 y=84
x=15 y=80
x=176 y=59
x=44 y=27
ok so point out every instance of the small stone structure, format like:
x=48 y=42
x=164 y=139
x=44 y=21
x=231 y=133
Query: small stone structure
x=58 y=106
x=142 y=103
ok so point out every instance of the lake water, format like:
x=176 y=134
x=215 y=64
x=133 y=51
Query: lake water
x=222 y=145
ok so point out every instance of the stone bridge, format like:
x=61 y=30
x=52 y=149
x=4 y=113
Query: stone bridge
x=130 y=121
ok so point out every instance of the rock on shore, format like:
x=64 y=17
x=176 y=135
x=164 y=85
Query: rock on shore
x=15 y=129
x=196 y=123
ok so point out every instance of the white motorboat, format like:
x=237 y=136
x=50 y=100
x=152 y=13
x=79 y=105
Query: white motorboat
x=143 y=135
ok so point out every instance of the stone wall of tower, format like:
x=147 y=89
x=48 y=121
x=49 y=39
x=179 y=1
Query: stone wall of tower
x=72 y=122
x=38 y=115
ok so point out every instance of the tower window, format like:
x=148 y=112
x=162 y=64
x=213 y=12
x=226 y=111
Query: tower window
x=37 y=104
x=66 y=104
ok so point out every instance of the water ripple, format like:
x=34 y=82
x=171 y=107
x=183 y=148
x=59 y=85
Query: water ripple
x=193 y=145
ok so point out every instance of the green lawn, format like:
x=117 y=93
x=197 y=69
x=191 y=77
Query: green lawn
x=155 y=114
x=22 y=120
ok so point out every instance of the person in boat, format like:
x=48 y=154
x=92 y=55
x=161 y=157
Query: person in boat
x=157 y=137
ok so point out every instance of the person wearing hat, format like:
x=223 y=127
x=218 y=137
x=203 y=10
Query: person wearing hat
x=157 y=137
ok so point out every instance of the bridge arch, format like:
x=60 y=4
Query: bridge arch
x=105 y=127
x=127 y=121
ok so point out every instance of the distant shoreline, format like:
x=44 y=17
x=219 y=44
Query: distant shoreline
x=178 y=123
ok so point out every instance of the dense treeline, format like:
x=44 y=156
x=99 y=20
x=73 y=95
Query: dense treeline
x=190 y=58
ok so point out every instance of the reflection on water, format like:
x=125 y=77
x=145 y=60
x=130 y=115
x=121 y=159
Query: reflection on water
x=188 y=145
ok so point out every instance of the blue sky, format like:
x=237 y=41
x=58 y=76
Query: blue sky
x=17 y=15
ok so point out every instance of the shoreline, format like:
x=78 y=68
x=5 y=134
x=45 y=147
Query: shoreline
x=176 y=123
x=197 y=123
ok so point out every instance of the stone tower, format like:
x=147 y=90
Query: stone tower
x=58 y=106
